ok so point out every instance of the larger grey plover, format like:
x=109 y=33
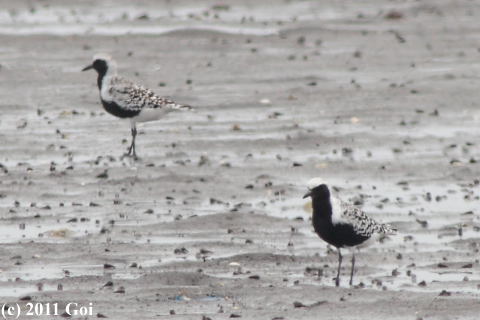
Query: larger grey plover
x=125 y=99
x=340 y=224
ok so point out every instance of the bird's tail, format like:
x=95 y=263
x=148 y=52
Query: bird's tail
x=182 y=107
x=388 y=230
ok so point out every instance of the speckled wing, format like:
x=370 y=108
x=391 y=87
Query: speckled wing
x=131 y=96
x=362 y=223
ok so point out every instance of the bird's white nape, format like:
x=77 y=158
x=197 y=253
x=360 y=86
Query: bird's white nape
x=315 y=182
x=338 y=216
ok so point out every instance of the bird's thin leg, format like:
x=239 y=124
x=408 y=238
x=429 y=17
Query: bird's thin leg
x=134 y=134
x=132 y=146
x=337 y=280
x=353 y=267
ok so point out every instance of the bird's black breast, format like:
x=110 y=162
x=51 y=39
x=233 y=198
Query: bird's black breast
x=339 y=235
x=117 y=111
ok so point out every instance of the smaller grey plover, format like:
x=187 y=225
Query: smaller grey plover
x=340 y=224
x=125 y=99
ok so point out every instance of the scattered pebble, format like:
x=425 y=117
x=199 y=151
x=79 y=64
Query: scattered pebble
x=120 y=290
x=181 y=250
x=103 y=175
x=445 y=293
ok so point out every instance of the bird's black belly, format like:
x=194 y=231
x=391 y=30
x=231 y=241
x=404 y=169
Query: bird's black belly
x=338 y=235
x=114 y=109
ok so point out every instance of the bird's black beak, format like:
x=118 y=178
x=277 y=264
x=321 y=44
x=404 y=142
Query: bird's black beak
x=88 y=67
x=309 y=194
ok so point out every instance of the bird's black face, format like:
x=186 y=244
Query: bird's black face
x=99 y=65
x=320 y=192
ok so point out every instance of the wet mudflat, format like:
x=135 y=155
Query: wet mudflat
x=379 y=100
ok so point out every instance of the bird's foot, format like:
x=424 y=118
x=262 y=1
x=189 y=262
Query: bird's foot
x=337 y=282
x=130 y=155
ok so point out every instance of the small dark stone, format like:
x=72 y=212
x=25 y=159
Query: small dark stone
x=445 y=293
x=423 y=223
x=215 y=201
x=108 y=266
x=181 y=250
x=103 y=175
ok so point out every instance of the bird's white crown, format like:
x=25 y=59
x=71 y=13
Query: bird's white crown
x=103 y=56
x=315 y=182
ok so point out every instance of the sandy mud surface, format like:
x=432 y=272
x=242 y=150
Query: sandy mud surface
x=378 y=98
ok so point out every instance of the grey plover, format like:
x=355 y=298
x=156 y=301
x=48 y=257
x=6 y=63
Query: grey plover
x=125 y=99
x=340 y=224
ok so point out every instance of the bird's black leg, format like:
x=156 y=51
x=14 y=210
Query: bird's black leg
x=134 y=135
x=337 y=280
x=132 y=146
x=353 y=267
